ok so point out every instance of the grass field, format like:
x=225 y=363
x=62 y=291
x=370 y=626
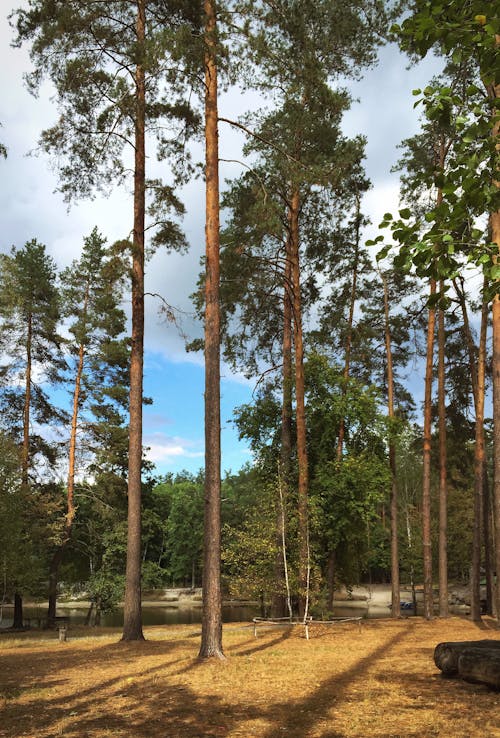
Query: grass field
x=345 y=682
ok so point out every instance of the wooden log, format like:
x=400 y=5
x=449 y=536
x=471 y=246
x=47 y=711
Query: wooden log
x=480 y=665
x=446 y=654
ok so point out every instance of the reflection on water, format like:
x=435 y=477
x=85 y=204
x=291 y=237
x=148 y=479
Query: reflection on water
x=150 y=615
x=158 y=615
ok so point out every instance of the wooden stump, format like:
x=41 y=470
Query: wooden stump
x=475 y=661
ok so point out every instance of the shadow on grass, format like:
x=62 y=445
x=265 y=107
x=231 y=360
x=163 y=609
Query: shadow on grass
x=142 y=694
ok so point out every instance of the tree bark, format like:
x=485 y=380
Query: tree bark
x=18 y=623
x=426 y=465
x=396 y=595
x=446 y=655
x=303 y=471
x=350 y=323
x=480 y=665
x=495 y=227
x=443 y=483
x=132 y=626
x=482 y=498
x=479 y=474
x=70 y=498
x=25 y=457
x=494 y=93
x=211 y=632
x=279 y=599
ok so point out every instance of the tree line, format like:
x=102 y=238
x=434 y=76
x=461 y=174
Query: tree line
x=289 y=292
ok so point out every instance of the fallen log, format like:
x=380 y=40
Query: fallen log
x=480 y=665
x=447 y=654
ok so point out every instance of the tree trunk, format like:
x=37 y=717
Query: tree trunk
x=443 y=490
x=18 y=623
x=70 y=500
x=350 y=323
x=132 y=625
x=279 y=599
x=479 y=474
x=303 y=472
x=481 y=666
x=25 y=458
x=447 y=654
x=396 y=595
x=211 y=632
x=482 y=500
x=330 y=581
x=494 y=92
x=495 y=222
x=426 y=465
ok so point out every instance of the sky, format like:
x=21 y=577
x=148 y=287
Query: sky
x=31 y=208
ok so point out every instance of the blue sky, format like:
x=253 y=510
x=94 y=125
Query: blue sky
x=173 y=426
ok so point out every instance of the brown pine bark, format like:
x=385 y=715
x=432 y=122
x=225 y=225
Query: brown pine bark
x=479 y=474
x=350 y=323
x=57 y=557
x=426 y=463
x=303 y=470
x=132 y=626
x=395 y=583
x=495 y=237
x=279 y=600
x=495 y=227
x=25 y=455
x=18 y=623
x=211 y=631
x=443 y=482
x=477 y=367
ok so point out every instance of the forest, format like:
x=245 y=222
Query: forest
x=351 y=480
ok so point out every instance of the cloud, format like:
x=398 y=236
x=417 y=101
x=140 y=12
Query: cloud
x=166 y=450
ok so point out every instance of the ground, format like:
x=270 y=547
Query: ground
x=376 y=681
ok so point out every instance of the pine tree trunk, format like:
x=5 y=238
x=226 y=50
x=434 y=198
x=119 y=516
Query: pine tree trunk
x=495 y=227
x=426 y=464
x=495 y=237
x=303 y=472
x=70 y=499
x=396 y=595
x=350 y=323
x=330 y=581
x=132 y=625
x=279 y=600
x=18 y=623
x=477 y=367
x=479 y=474
x=443 y=489
x=25 y=457
x=211 y=633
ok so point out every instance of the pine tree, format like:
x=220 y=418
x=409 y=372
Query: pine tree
x=91 y=294
x=109 y=62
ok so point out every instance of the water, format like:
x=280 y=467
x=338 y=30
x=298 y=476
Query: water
x=156 y=615
x=161 y=615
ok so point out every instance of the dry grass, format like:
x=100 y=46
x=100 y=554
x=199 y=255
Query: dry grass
x=379 y=681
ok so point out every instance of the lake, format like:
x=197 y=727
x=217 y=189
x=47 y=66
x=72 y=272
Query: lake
x=161 y=615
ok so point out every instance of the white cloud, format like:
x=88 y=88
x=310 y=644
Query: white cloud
x=168 y=449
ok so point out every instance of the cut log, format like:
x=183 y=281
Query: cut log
x=480 y=665
x=446 y=654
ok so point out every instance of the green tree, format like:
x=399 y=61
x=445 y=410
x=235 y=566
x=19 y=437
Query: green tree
x=91 y=295
x=467 y=34
x=31 y=345
x=109 y=62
